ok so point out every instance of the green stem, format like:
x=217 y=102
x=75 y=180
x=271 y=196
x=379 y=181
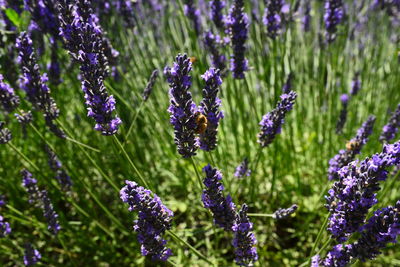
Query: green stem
x=133 y=122
x=260 y=215
x=197 y=173
x=316 y=243
x=194 y=250
x=33 y=165
x=212 y=159
x=82 y=144
x=131 y=162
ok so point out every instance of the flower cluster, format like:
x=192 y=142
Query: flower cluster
x=49 y=213
x=343 y=113
x=351 y=197
x=56 y=166
x=149 y=87
x=5 y=228
x=216 y=7
x=284 y=213
x=244 y=240
x=85 y=42
x=182 y=108
x=382 y=228
x=243 y=169
x=222 y=208
x=8 y=99
x=271 y=123
x=209 y=107
x=306 y=19
x=34 y=84
x=193 y=14
x=273 y=16
x=237 y=24
x=154 y=219
x=212 y=43
x=333 y=17
x=355 y=84
x=44 y=16
x=390 y=129
x=5 y=134
x=353 y=147
x=40 y=199
x=31 y=256
x=24 y=119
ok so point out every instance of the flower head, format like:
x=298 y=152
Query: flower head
x=284 y=213
x=391 y=128
x=31 y=256
x=273 y=17
x=5 y=134
x=150 y=85
x=8 y=99
x=216 y=7
x=243 y=169
x=5 y=228
x=333 y=16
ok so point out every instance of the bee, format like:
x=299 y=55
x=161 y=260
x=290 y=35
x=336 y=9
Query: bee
x=352 y=144
x=201 y=122
x=192 y=59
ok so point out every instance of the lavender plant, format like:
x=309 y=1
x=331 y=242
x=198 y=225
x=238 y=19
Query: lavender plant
x=333 y=16
x=154 y=219
x=271 y=123
x=193 y=14
x=237 y=24
x=344 y=99
x=280 y=213
x=212 y=43
x=182 y=108
x=5 y=134
x=5 y=228
x=32 y=256
x=149 y=87
x=391 y=128
x=353 y=147
x=210 y=107
x=8 y=99
x=216 y=15
x=273 y=17
x=243 y=169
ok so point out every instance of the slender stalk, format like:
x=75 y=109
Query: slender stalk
x=131 y=162
x=82 y=144
x=260 y=215
x=197 y=173
x=212 y=159
x=19 y=152
x=318 y=239
x=194 y=250
x=132 y=123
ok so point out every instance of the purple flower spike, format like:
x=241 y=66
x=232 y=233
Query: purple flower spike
x=216 y=7
x=284 y=213
x=209 y=107
x=351 y=197
x=149 y=87
x=306 y=20
x=244 y=240
x=271 y=123
x=222 y=208
x=273 y=17
x=5 y=228
x=389 y=130
x=343 y=113
x=243 y=169
x=31 y=256
x=212 y=43
x=8 y=99
x=353 y=147
x=193 y=14
x=35 y=84
x=333 y=17
x=5 y=134
x=154 y=219
x=237 y=24
x=24 y=119
x=86 y=44
x=48 y=212
x=355 y=84
x=182 y=109
x=56 y=166
x=31 y=187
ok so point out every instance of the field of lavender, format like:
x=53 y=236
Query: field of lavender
x=199 y=133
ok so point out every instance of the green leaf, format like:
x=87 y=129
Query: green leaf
x=13 y=16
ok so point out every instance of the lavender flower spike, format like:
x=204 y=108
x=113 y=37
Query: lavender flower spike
x=56 y=166
x=182 y=108
x=237 y=24
x=209 y=107
x=5 y=134
x=271 y=123
x=5 y=228
x=243 y=169
x=8 y=99
x=149 y=87
x=272 y=17
x=244 y=240
x=284 y=213
x=351 y=197
x=49 y=213
x=353 y=147
x=154 y=219
x=212 y=43
x=222 y=208
x=85 y=42
x=31 y=187
x=193 y=14
x=216 y=7
x=339 y=256
x=391 y=128
x=24 y=119
x=343 y=113
x=355 y=84
x=31 y=256
x=333 y=17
